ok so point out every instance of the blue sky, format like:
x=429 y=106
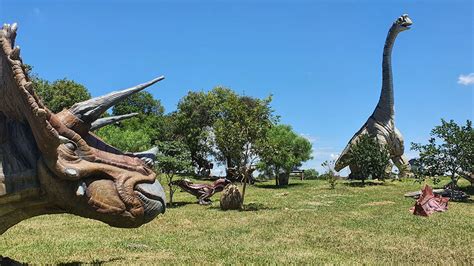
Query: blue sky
x=321 y=60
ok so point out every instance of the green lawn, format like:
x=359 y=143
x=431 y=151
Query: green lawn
x=303 y=223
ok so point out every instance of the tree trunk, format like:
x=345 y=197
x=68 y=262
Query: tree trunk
x=277 y=173
x=170 y=178
x=244 y=186
x=283 y=178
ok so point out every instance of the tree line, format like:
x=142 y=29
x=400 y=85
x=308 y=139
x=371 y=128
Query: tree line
x=240 y=132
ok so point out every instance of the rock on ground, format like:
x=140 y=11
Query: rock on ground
x=231 y=198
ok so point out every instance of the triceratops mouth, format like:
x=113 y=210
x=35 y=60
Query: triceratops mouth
x=106 y=198
x=153 y=199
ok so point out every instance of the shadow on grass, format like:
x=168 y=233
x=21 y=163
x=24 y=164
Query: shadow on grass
x=5 y=261
x=94 y=262
x=468 y=190
x=278 y=187
x=251 y=207
x=177 y=204
x=361 y=185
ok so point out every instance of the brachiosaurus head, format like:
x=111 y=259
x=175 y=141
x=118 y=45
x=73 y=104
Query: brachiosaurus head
x=77 y=171
x=402 y=23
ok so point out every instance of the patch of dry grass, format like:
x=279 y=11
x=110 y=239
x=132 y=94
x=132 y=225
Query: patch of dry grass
x=303 y=223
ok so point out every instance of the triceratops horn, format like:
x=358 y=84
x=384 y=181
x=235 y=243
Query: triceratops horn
x=151 y=153
x=102 y=122
x=90 y=110
x=148 y=156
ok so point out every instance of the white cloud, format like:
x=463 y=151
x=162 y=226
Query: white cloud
x=466 y=79
x=310 y=138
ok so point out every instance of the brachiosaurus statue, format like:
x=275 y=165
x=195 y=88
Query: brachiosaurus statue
x=52 y=163
x=381 y=124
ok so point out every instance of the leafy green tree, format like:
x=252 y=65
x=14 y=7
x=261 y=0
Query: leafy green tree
x=60 y=94
x=241 y=125
x=130 y=140
x=193 y=123
x=150 y=119
x=311 y=174
x=370 y=158
x=174 y=157
x=141 y=102
x=449 y=151
x=282 y=151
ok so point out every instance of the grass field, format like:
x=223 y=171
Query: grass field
x=304 y=223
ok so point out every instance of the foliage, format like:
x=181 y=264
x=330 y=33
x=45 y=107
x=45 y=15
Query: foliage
x=282 y=151
x=193 y=121
x=150 y=119
x=60 y=94
x=311 y=174
x=371 y=159
x=141 y=102
x=454 y=155
x=422 y=172
x=329 y=174
x=125 y=139
x=241 y=124
x=174 y=157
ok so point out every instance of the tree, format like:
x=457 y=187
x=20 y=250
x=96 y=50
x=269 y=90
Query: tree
x=241 y=125
x=60 y=94
x=370 y=158
x=454 y=155
x=150 y=118
x=174 y=157
x=193 y=122
x=282 y=151
x=141 y=102
x=311 y=174
x=125 y=139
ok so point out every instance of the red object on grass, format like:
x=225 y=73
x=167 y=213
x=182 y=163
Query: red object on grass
x=428 y=203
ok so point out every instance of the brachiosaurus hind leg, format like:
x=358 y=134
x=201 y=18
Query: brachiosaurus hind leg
x=401 y=162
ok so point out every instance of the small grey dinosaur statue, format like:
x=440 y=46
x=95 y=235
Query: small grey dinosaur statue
x=381 y=124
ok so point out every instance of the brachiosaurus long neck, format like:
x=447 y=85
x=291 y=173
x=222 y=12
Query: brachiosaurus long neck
x=385 y=112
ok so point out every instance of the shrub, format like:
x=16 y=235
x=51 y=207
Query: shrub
x=330 y=174
x=311 y=174
x=370 y=158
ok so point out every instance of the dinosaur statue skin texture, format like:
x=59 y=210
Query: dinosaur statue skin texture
x=52 y=163
x=203 y=192
x=381 y=124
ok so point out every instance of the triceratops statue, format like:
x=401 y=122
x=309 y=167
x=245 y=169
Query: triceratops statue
x=52 y=163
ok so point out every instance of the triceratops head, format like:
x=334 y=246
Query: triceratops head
x=77 y=171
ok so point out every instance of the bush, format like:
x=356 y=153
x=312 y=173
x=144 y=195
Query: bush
x=311 y=174
x=370 y=158
x=330 y=174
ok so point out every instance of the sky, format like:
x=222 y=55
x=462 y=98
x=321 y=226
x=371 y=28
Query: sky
x=321 y=60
